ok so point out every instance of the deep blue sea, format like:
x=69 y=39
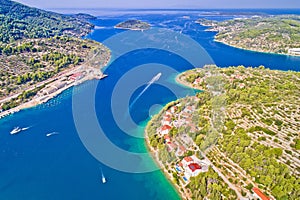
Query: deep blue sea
x=33 y=166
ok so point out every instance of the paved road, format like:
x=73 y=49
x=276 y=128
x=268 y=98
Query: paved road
x=42 y=83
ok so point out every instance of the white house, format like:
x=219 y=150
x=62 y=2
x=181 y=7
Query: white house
x=165 y=129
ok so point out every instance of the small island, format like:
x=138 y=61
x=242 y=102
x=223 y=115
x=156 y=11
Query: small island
x=238 y=138
x=135 y=25
x=269 y=34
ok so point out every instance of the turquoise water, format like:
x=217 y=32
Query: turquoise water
x=34 y=166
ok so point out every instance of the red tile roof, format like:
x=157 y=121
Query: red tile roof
x=194 y=166
x=260 y=194
x=75 y=76
x=182 y=148
x=168 y=119
x=188 y=159
x=166 y=127
x=180 y=164
x=167 y=137
x=167 y=116
x=189 y=107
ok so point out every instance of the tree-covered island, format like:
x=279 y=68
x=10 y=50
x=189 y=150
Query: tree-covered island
x=133 y=25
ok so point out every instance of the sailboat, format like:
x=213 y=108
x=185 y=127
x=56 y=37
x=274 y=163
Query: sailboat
x=103 y=177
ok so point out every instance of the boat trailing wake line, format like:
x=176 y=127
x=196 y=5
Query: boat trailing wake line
x=102 y=176
x=26 y=128
x=155 y=78
x=18 y=129
x=52 y=133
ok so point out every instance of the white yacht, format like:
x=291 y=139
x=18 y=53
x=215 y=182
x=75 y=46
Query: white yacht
x=15 y=130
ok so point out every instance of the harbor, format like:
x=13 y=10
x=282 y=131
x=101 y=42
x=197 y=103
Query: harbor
x=56 y=86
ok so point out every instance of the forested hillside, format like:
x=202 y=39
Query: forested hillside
x=19 y=21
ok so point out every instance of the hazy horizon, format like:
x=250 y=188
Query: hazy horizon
x=165 y=4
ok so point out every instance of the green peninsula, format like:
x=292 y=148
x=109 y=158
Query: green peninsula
x=271 y=34
x=237 y=138
x=19 y=21
x=42 y=54
x=133 y=25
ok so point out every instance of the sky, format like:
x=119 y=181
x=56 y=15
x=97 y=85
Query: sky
x=201 y=4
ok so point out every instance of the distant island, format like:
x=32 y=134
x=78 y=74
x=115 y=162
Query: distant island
x=237 y=138
x=270 y=34
x=136 y=25
x=43 y=55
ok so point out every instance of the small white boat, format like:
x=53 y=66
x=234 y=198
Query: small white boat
x=15 y=130
x=103 y=177
x=50 y=134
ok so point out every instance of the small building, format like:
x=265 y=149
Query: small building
x=165 y=129
x=294 y=51
x=167 y=121
x=171 y=146
x=167 y=138
x=197 y=81
x=168 y=112
x=49 y=90
x=193 y=166
x=185 y=115
x=166 y=116
x=59 y=85
x=75 y=77
x=193 y=169
x=174 y=109
x=180 y=151
x=259 y=195
x=193 y=128
x=188 y=109
x=186 y=161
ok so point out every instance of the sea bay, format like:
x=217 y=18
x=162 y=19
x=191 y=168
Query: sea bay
x=34 y=166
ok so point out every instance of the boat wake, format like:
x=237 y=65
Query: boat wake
x=103 y=177
x=155 y=78
x=26 y=128
x=51 y=134
x=18 y=129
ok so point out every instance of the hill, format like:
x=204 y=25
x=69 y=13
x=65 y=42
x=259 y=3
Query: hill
x=245 y=122
x=42 y=54
x=19 y=21
x=133 y=25
x=271 y=34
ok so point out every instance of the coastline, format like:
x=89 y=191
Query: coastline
x=238 y=47
x=91 y=73
x=178 y=80
x=254 y=50
x=154 y=155
x=239 y=189
x=132 y=29
x=183 y=190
